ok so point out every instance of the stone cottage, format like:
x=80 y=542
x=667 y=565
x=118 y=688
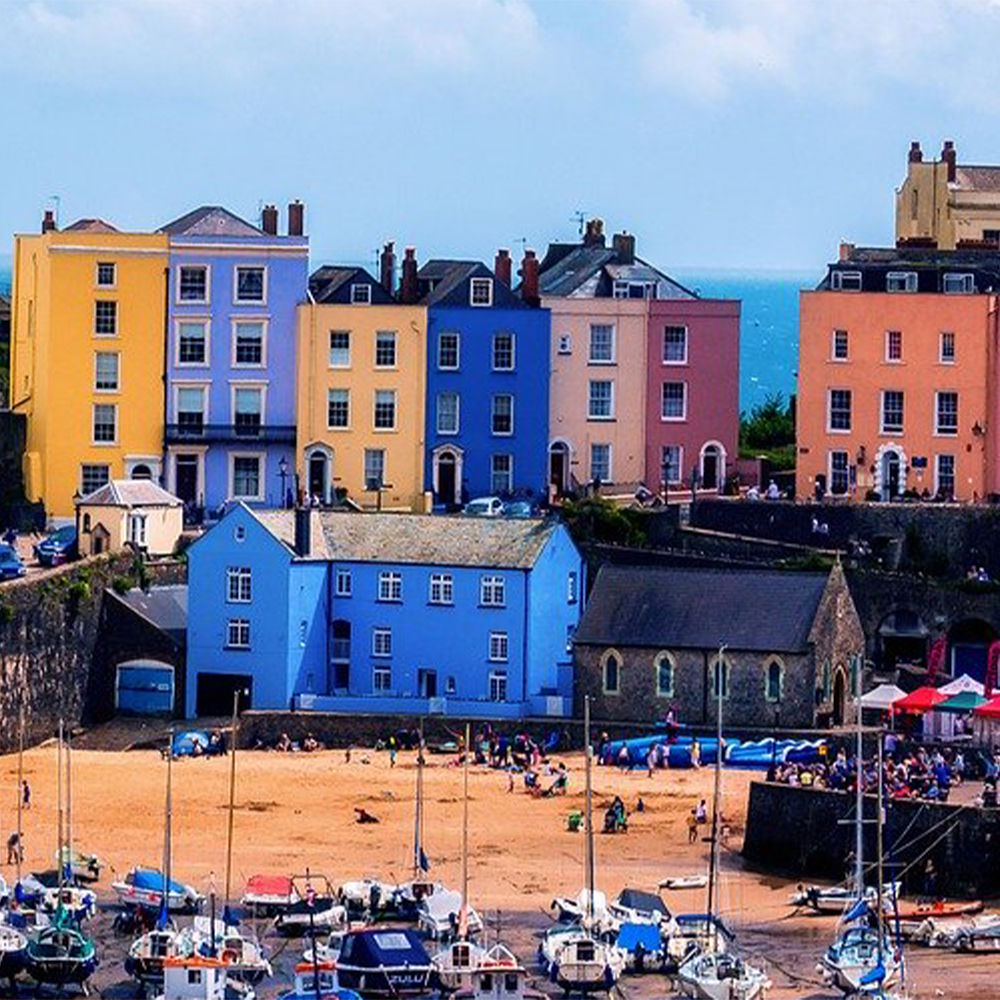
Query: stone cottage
x=650 y=640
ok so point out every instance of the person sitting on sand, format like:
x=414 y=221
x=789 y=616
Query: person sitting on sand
x=364 y=816
x=284 y=744
x=310 y=743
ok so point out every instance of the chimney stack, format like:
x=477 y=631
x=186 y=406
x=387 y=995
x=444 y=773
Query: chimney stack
x=387 y=266
x=296 y=218
x=303 y=530
x=624 y=247
x=916 y=155
x=269 y=220
x=846 y=249
x=501 y=267
x=48 y=222
x=594 y=236
x=408 y=284
x=529 y=278
x=948 y=155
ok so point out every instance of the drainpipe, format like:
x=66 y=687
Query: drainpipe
x=166 y=368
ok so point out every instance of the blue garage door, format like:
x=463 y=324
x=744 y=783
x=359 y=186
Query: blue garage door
x=145 y=687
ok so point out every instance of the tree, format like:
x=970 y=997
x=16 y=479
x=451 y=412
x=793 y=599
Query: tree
x=770 y=425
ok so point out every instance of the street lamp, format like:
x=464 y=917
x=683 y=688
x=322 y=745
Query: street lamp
x=283 y=473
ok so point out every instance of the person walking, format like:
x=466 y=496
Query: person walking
x=695 y=754
x=692 y=826
x=15 y=849
x=25 y=794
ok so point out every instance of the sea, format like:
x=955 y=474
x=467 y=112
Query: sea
x=769 y=325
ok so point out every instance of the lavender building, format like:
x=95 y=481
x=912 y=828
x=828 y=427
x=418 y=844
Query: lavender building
x=230 y=367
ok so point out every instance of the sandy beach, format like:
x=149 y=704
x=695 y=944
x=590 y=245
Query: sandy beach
x=297 y=810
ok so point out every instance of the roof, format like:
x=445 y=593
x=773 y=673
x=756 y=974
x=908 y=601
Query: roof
x=210 y=220
x=766 y=610
x=436 y=540
x=130 y=493
x=921 y=700
x=332 y=284
x=589 y=271
x=961 y=703
x=973 y=178
x=90 y=226
x=929 y=263
x=882 y=697
x=166 y=607
x=281 y=524
x=446 y=282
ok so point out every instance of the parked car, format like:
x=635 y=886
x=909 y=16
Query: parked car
x=520 y=508
x=485 y=507
x=57 y=548
x=10 y=563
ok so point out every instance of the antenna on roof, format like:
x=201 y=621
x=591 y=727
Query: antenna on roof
x=581 y=219
x=523 y=240
x=57 y=201
x=375 y=260
x=260 y=213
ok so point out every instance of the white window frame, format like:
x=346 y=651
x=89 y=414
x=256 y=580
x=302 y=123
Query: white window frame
x=329 y=350
x=262 y=301
x=395 y=350
x=684 y=400
x=240 y=627
x=837 y=279
x=338 y=427
x=137 y=528
x=680 y=463
x=565 y=343
x=260 y=385
x=847 y=472
x=613 y=344
x=458 y=351
x=602 y=444
x=499 y=647
x=382 y=678
x=966 y=282
x=343 y=582
x=493 y=401
x=86 y=490
x=202 y=387
x=262 y=322
x=513 y=351
x=892 y=429
x=207 y=300
x=390 y=587
x=261 y=457
x=830 y=429
x=395 y=410
x=206 y=324
x=483 y=284
x=907 y=279
x=118 y=319
x=458 y=412
x=498 y=686
x=118 y=371
x=361 y=293
x=113 y=283
x=492 y=591
x=93 y=425
x=889 y=334
x=937 y=472
x=383 y=472
x=509 y=488
x=954 y=347
x=381 y=641
x=239 y=584
x=937 y=422
x=687 y=340
x=847 y=346
x=572 y=587
x=610 y=415
x=441 y=589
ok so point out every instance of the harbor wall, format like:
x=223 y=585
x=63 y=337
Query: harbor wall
x=809 y=833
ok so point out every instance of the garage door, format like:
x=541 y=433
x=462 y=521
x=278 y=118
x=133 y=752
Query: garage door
x=216 y=691
x=145 y=687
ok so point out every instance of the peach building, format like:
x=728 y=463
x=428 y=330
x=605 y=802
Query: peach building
x=897 y=357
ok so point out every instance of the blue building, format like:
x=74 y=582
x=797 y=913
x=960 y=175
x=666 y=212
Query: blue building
x=230 y=390
x=383 y=613
x=487 y=382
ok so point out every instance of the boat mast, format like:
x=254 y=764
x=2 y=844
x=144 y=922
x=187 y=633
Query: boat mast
x=713 y=860
x=232 y=807
x=879 y=849
x=859 y=807
x=165 y=903
x=463 y=923
x=590 y=824
x=59 y=795
x=20 y=789
x=418 y=821
x=69 y=801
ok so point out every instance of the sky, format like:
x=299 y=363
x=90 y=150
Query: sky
x=726 y=134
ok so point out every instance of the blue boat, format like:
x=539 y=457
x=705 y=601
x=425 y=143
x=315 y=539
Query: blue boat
x=385 y=962
x=144 y=887
x=325 y=973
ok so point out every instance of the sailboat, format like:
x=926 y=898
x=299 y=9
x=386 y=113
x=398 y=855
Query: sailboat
x=61 y=953
x=573 y=955
x=712 y=971
x=863 y=956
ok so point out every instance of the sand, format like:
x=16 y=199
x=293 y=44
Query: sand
x=296 y=811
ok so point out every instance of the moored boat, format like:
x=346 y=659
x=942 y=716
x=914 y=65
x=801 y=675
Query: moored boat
x=498 y=976
x=318 y=981
x=385 y=962
x=242 y=954
x=196 y=977
x=269 y=895
x=61 y=955
x=145 y=887
x=13 y=951
x=148 y=952
x=720 y=975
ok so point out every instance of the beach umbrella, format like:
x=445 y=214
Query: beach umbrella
x=919 y=701
x=961 y=704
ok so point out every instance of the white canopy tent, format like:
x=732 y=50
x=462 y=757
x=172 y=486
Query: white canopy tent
x=960 y=685
x=880 y=699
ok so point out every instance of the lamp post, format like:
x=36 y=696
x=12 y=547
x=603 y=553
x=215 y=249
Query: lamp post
x=283 y=473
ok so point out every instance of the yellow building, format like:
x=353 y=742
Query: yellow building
x=947 y=202
x=361 y=374
x=87 y=334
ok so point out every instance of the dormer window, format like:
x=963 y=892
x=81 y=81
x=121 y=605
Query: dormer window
x=901 y=281
x=481 y=292
x=845 y=281
x=361 y=295
x=624 y=289
x=959 y=284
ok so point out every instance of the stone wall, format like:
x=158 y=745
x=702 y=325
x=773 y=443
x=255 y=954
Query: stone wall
x=49 y=629
x=801 y=832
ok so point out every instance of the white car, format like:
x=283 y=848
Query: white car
x=485 y=507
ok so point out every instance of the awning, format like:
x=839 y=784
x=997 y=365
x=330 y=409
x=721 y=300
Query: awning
x=883 y=697
x=988 y=710
x=960 y=684
x=961 y=704
x=919 y=701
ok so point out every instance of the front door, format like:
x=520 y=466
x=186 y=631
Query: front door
x=557 y=469
x=186 y=485
x=446 y=478
x=710 y=469
x=317 y=476
x=839 y=697
x=428 y=682
x=890 y=475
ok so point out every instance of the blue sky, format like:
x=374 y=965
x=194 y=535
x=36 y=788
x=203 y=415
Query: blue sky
x=724 y=133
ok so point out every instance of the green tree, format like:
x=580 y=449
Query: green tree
x=770 y=425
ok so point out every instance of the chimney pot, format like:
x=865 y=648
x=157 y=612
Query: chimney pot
x=408 y=283
x=949 y=156
x=48 y=221
x=529 y=278
x=846 y=249
x=624 y=247
x=916 y=154
x=502 y=266
x=296 y=218
x=269 y=220
x=594 y=236
x=387 y=266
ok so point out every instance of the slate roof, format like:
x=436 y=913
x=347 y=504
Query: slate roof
x=210 y=220
x=973 y=178
x=668 y=608
x=90 y=226
x=281 y=524
x=422 y=539
x=589 y=271
x=166 y=607
x=130 y=493
x=929 y=263
x=332 y=284
x=446 y=283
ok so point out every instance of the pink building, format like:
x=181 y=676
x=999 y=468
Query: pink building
x=692 y=392
x=645 y=375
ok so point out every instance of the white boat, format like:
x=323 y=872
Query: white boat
x=440 y=913
x=720 y=975
x=499 y=976
x=144 y=887
x=312 y=911
x=457 y=963
x=683 y=882
x=195 y=977
x=267 y=895
x=13 y=951
x=241 y=953
x=148 y=952
x=635 y=906
x=328 y=950
x=859 y=958
x=578 y=961
x=318 y=981
x=834 y=900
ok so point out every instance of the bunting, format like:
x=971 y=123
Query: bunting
x=992 y=660
x=935 y=660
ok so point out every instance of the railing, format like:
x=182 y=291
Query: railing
x=208 y=433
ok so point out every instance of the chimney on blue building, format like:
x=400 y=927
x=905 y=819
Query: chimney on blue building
x=303 y=528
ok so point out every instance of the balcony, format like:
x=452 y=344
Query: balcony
x=230 y=433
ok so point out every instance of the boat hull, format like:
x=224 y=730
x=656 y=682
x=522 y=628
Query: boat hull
x=387 y=982
x=61 y=971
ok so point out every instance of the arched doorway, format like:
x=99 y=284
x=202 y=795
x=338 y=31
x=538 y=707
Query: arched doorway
x=902 y=640
x=890 y=471
x=319 y=475
x=839 y=696
x=559 y=467
x=891 y=474
x=969 y=642
x=142 y=471
x=447 y=475
x=712 y=465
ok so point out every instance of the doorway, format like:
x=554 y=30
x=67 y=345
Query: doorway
x=446 y=477
x=318 y=476
x=712 y=464
x=839 y=697
x=215 y=693
x=558 y=466
x=890 y=475
x=427 y=681
x=186 y=478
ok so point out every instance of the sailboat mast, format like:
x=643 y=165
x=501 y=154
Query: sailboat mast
x=20 y=790
x=879 y=850
x=464 y=918
x=418 y=819
x=713 y=860
x=69 y=799
x=59 y=795
x=232 y=805
x=859 y=806
x=167 y=846
x=590 y=796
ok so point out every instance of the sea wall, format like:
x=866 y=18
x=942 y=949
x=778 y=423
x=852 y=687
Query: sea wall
x=49 y=630
x=802 y=833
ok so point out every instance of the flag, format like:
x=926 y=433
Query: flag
x=935 y=659
x=992 y=659
x=859 y=909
